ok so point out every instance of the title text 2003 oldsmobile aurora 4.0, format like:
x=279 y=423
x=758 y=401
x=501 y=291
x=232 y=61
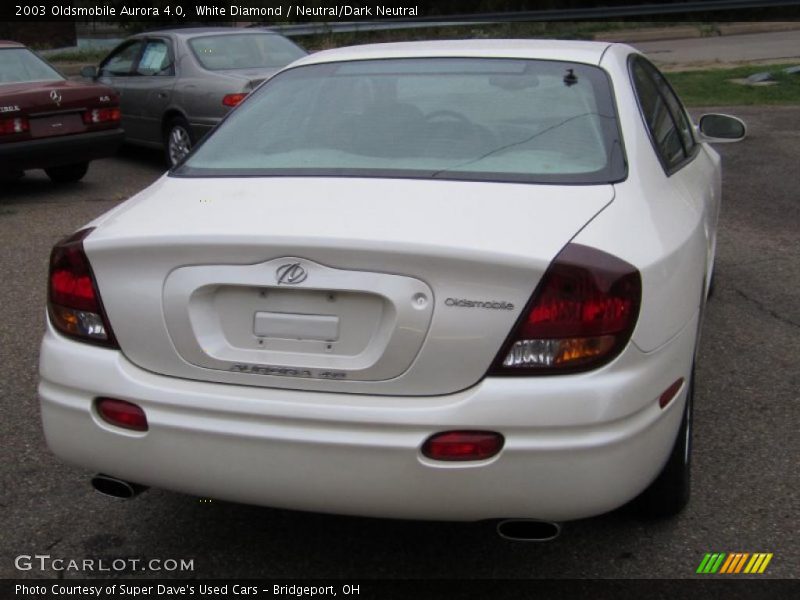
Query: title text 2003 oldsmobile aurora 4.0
x=448 y=280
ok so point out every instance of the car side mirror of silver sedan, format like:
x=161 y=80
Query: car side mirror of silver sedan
x=715 y=128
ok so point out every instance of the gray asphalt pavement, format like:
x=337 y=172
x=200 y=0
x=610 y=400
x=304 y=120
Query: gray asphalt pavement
x=778 y=46
x=746 y=421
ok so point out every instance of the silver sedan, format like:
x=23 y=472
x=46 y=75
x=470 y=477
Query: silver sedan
x=176 y=84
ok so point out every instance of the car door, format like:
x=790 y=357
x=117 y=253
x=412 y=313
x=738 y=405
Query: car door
x=149 y=91
x=693 y=167
x=117 y=71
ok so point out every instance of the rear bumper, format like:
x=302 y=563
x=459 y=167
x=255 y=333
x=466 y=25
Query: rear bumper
x=61 y=150
x=576 y=445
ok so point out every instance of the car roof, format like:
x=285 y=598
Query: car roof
x=10 y=44
x=567 y=50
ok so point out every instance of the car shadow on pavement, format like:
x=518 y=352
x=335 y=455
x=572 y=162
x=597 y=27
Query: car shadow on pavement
x=105 y=181
x=228 y=540
x=144 y=157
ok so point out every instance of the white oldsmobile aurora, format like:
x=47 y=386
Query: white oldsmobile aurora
x=446 y=280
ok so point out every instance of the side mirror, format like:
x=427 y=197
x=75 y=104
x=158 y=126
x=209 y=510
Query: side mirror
x=721 y=128
x=89 y=72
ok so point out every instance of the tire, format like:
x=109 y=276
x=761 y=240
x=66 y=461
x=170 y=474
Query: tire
x=669 y=494
x=712 y=285
x=178 y=141
x=67 y=173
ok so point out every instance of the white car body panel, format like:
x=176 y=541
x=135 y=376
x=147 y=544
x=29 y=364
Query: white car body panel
x=584 y=52
x=359 y=454
x=672 y=220
x=454 y=237
x=576 y=445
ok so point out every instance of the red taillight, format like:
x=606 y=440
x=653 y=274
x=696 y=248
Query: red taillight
x=580 y=316
x=14 y=125
x=233 y=99
x=122 y=414
x=463 y=445
x=102 y=115
x=73 y=301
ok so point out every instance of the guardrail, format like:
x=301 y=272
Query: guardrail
x=576 y=14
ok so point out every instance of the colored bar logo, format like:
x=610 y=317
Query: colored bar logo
x=734 y=562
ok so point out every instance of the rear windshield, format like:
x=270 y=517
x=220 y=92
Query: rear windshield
x=475 y=119
x=245 y=51
x=18 y=65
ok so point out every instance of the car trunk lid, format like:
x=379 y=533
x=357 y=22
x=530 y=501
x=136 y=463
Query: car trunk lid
x=54 y=108
x=402 y=286
x=249 y=78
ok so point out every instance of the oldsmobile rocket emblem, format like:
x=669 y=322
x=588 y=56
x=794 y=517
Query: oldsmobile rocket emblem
x=291 y=273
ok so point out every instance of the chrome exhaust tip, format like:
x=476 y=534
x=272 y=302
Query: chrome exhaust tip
x=116 y=488
x=528 y=530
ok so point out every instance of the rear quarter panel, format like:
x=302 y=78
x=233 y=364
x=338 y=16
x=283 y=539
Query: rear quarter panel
x=656 y=222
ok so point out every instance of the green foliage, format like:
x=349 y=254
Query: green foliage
x=583 y=30
x=715 y=88
x=93 y=55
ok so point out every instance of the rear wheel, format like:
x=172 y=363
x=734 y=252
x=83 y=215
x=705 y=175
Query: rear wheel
x=669 y=493
x=712 y=285
x=178 y=140
x=67 y=173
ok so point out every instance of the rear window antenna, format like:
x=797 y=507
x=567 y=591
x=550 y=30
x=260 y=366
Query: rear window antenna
x=570 y=78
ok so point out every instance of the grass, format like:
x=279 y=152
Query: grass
x=715 y=88
x=88 y=56
x=582 y=30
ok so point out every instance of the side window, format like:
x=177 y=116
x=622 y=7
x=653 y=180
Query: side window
x=121 y=62
x=156 y=59
x=660 y=122
x=682 y=121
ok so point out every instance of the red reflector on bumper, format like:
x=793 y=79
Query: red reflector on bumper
x=463 y=445
x=669 y=393
x=122 y=414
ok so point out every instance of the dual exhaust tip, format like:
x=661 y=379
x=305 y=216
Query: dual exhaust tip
x=116 y=488
x=515 y=530
x=528 y=530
